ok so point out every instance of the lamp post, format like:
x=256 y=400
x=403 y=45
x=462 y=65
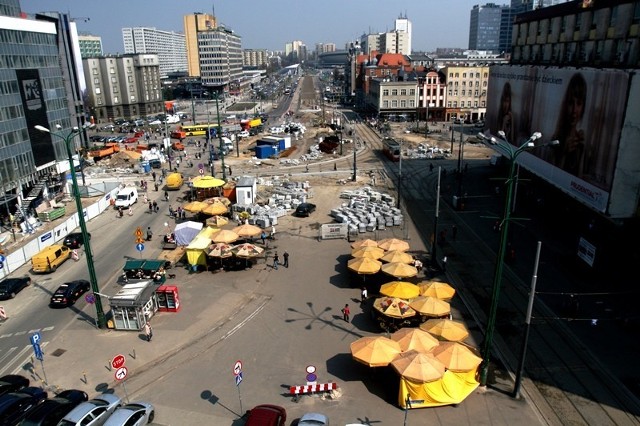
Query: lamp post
x=505 y=148
x=100 y=317
x=399 y=175
x=224 y=171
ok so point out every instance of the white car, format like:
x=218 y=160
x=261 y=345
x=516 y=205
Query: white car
x=313 y=419
x=243 y=134
x=133 y=414
x=93 y=412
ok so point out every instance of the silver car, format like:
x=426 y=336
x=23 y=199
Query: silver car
x=133 y=414
x=93 y=412
x=313 y=419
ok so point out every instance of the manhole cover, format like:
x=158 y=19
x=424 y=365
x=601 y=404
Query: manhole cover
x=58 y=352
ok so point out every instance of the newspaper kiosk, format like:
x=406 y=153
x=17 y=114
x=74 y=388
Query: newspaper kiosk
x=134 y=305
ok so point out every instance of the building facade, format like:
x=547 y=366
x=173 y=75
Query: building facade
x=124 y=86
x=484 y=26
x=220 y=59
x=90 y=46
x=466 y=92
x=168 y=45
x=255 y=58
x=193 y=24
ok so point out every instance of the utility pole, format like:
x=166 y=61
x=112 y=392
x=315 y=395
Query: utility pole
x=224 y=171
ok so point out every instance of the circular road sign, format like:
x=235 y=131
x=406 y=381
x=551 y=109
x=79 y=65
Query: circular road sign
x=121 y=373
x=118 y=361
x=139 y=246
x=201 y=171
x=237 y=368
x=90 y=298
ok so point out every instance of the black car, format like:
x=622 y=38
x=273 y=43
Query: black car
x=9 y=287
x=68 y=293
x=305 y=209
x=15 y=406
x=74 y=240
x=51 y=411
x=12 y=383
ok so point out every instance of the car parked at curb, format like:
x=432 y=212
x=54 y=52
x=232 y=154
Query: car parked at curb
x=266 y=415
x=132 y=414
x=74 y=240
x=12 y=383
x=68 y=293
x=94 y=412
x=9 y=287
x=52 y=410
x=15 y=406
x=313 y=419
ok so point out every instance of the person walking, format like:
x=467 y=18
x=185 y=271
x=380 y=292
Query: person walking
x=166 y=196
x=363 y=294
x=263 y=237
x=276 y=259
x=149 y=233
x=150 y=207
x=148 y=331
x=346 y=312
x=273 y=232
x=444 y=264
x=285 y=258
x=155 y=206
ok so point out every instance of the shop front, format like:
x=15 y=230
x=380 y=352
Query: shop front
x=133 y=305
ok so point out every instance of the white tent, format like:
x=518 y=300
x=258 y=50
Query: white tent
x=185 y=232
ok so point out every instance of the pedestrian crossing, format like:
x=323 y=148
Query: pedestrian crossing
x=13 y=360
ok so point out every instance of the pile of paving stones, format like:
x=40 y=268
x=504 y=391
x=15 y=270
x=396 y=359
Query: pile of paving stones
x=367 y=210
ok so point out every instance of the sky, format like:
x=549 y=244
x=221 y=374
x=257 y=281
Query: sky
x=270 y=24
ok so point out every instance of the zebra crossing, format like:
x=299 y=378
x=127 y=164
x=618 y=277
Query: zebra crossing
x=13 y=360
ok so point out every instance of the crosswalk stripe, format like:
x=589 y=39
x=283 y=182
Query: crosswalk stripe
x=20 y=359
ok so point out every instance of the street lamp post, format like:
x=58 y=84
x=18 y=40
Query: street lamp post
x=100 y=317
x=399 y=175
x=224 y=171
x=505 y=148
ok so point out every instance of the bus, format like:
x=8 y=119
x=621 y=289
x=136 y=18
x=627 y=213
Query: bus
x=196 y=129
x=391 y=149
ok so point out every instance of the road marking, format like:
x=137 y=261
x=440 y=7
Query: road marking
x=6 y=335
x=48 y=328
x=7 y=365
x=9 y=352
x=22 y=333
x=24 y=356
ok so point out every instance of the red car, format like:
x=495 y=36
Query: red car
x=266 y=415
x=131 y=140
x=178 y=146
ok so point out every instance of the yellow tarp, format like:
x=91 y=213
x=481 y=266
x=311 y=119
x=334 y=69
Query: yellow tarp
x=452 y=388
x=199 y=246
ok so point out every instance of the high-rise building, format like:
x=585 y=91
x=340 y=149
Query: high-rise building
x=193 y=24
x=403 y=26
x=255 y=58
x=396 y=41
x=484 y=26
x=168 y=45
x=90 y=46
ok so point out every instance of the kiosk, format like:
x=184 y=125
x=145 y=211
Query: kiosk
x=144 y=269
x=168 y=298
x=134 y=305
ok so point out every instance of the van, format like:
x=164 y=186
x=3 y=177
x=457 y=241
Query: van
x=126 y=197
x=174 y=181
x=50 y=258
x=227 y=144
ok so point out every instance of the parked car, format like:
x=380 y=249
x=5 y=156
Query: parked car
x=12 y=383
x=178 y=146
x=266 y=415
x=68 y=293
x=243 y=134
x=52 y=410
x=74 y=240
x=93 y=412
x=313 y=419
x=9 y=287
x=133 y=414
x=305 y=209
x=15 y=406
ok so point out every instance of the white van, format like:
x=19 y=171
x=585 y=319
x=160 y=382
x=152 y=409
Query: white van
x=126 y=197
x=227 y=143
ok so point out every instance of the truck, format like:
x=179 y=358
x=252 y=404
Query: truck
x=249 y=124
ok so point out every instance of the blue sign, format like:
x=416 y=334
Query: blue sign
x=139 y=246
x=239 y=379
x=35 y=338
x=2 y=258
x=45 y=237
x=38 y=352
x=90 y=298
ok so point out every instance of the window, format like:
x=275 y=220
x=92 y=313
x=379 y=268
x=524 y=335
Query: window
x=450 y=92
x=385 y=104
x=475 y=104
x=96 y=81
x=115 y=100
x=112 y=70
x=115 y=89
x=455 y=104
x=412 y=103
x=385 y=92
x=464 y=75
x=394 y=92
x=403 y=103
x=455 y=93
x=412 y=92
x=95 y=71
x=448 y=104
x=98 y=90
x=403 y=92
x=462 y=92
x=394 y=104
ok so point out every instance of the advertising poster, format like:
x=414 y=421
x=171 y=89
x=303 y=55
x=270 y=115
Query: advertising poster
x=35 y=112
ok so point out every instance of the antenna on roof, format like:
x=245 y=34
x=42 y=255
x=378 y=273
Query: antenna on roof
x=213 y=9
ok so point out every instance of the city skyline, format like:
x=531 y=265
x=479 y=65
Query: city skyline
x=433 y=26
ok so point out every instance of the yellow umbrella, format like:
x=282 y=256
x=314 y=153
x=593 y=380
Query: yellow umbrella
x=194 y=206
x=364 y=265
x=224 y=236
x=247 y=230
x=430 y=306
x=393 y=244
x=393 y=307
x=399 y=270
x=446 y=329
x=223 y=200
x=397 y=256
x=206 y=182
x=418 y=367
x=217 y=221
x=436 y=289
x=415 y=339
x=375 y=351
x=457 y=356
x=364 y=243
x=216 y=208
x=400 y=289
x=369 y=252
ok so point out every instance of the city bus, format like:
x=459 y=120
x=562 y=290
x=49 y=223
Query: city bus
x=196 y=129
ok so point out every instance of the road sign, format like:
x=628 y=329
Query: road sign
x=3 y=314
x=2 y=258
x=139 y=240
x=239 y=379
x=90 y=298
x=35 y=338
x=237 y=368
x=139 y=246
x=121 y=373
x=201 y=171
x=138 y=232
x=118 y=361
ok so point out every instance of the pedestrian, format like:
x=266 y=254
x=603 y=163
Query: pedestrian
x=150 y=207
x=276 y=259
x=230 y=171
x=418 y=265
x=149 y=233
x=263 y=237
x=130 y=211
x=153 y=175
x=155 y=186
x=444 y=264
x=454 y=232
x=273 y=232
x=285 y=258
x=363 y=294
x=120 y=212
x=166 y=195
x=183 y=214
x=346 y=312
x=148 y=331
x=155 y=206
x=430 y=167
x=146 y=200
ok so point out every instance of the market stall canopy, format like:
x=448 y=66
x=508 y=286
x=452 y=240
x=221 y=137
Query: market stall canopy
x=215 y=208
x=397 y=256
x=400 y=289
x=399 y=270
x=430 y=306
x=194 y=206
x=223 y=200
x=415 y=339
x=224 y=236
x=185 y=232
x=364 y=243
x=418 y=366
x=447 y=329
x=364 y=265
x=375 y=351
x=217 y=221
x=457 y=356
x=393 y=307
x=247 y=230
x=436 y=289
x=199 y=246
x=390 y=244
x=220 y=250
x=206 y=182
x=150 y=265
x=368 y=252
x=247 y=250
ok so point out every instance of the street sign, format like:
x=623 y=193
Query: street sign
x=237 y=368
x=35 y=342
x=118 y=361
x=239 y=379
x=138 y=232
x=90 y=298
x=121 y=373
x=139 y=240
x=139 y=246
x=201 y=171
x=35 y=338
x=2 y=258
